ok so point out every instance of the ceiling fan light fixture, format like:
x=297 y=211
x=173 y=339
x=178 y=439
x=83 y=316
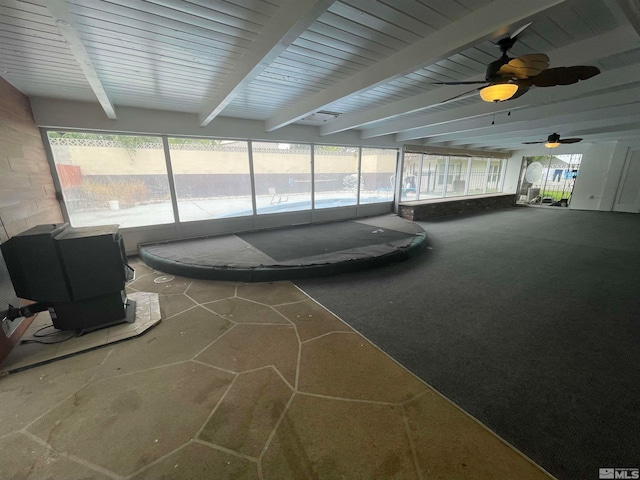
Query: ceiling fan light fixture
x=498 y=92
x=553 y=141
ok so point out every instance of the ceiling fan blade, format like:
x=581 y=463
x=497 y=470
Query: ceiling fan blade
x=525 y=66
x=476 y=82
x=564 y=75
x=462 y=95
x=520 y=30
x=555 y=138
x=522 y=89
x=506 y=43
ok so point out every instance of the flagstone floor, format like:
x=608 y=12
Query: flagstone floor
x=240 y=381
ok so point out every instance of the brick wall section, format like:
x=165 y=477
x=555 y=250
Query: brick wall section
x=417 y=211
x=27 y=194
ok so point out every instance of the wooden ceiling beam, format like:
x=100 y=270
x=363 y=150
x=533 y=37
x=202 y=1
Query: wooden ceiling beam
x=476 y=27
x=60 y=13
x=283 y=28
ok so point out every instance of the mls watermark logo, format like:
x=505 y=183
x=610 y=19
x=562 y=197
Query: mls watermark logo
x=625 y=473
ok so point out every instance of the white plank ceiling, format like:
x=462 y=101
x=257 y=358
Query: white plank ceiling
x=370 y=63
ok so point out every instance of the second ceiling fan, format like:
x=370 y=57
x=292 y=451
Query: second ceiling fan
x=554 y=141
x=509 y=78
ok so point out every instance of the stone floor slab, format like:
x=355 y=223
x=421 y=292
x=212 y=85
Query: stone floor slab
x=348 y=366
x=203 y=291
x=333 y=439
x=138 y=417
x=173 y=304
x=156 y=283
x=311 y=319
x=174 y=340
x=25 y=459
x=200 y=462
x=27 y=395
x=271 y=293
x=450 y=444
x=240 y=310
x=249 y=412
x=247 y=347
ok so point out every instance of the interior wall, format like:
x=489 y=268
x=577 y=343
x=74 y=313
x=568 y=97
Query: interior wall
x=597 y=178
x=628 y=193
x=27 y=194
x=512 y=173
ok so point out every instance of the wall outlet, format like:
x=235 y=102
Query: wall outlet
x=590 y=197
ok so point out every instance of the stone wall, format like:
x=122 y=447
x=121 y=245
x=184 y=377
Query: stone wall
x=428 y=209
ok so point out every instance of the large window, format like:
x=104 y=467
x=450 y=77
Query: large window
x=494 y=177
x=282 y=174
x=336 y=176
x=427 y=176
x=457 y=178
x=136 y=181
x=410 y=176
x=211 y=177
x=378 y=173
x=432 y=176
x=112 y=179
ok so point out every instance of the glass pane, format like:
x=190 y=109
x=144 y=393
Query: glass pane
x=478 y=176
x=457 y=176
x=548 y=181
x=112 y=179
x=282 y=174
x=211 y=177
x=378 y=175
x=494 y=179
x=432 y=176
x=559 y=177
x=410 y=176
x=336 y=176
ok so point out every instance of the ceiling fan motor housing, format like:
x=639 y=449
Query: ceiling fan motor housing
x=493 y=68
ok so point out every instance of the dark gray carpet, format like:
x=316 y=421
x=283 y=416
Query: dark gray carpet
x=527 y=318
x=309 y=240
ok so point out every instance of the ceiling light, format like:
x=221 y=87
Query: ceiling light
x=553 y=141
x=498 y=92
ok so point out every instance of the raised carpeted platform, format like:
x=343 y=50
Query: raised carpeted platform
x=302 y=251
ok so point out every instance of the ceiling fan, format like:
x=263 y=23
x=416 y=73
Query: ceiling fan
x=509 y=78
x=554 y=141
